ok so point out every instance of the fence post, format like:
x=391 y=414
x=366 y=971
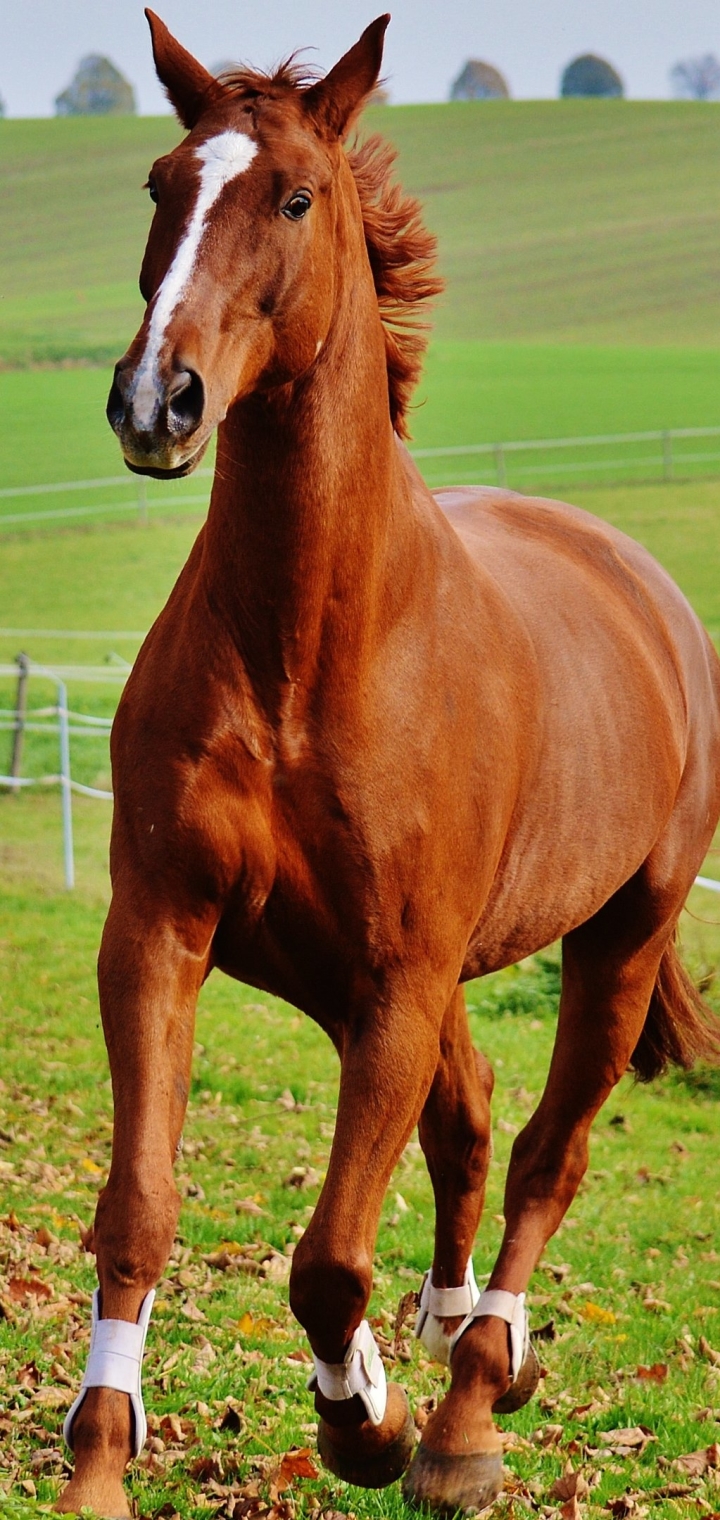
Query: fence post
x=142 y=500
x=62 y=707
x=667 y=455
x=500 y=470
x=23 y=665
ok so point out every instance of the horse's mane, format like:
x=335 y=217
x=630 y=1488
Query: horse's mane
x=402 y=252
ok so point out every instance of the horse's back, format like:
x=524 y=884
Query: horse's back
x=559 y=563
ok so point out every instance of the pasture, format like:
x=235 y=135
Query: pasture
x=588 y=222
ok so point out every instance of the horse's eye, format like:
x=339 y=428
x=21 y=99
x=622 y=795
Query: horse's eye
x=151 y=188
x=297 y=207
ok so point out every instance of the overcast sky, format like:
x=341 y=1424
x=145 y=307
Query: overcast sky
x=530 y=40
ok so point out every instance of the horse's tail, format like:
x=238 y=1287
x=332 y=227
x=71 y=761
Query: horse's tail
x=680 y=1028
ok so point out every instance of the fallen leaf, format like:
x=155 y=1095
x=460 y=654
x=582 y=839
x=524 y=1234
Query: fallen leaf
x=44 y=1238
x=630 y=1438
x=707 y=1351
x=205 y=1468
x=23 y=1288
x=571 y=1510
x=232 y=1418
x=302 y=1177
x=190 y=1310
x=248 y=1206
x=407 y=1307
x=570 y=1485
x=294 y=1464
x=544 y=1332
x=595 y=1314
x=698 y=1462
x=655 y=1374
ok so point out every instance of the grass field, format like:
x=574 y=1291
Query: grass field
x=583 y=221
x=580 y=243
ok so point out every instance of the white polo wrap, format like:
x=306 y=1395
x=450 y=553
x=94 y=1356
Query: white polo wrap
x=439 y=1303
x=501 y=1305
x=115 y=1361
x=361 y=1371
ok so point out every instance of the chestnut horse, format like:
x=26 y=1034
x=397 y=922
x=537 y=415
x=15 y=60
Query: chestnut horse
x=377 y=743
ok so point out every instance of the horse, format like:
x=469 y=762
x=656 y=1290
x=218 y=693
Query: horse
x=378 y=742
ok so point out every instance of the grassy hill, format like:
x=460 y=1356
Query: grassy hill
x=584 y=221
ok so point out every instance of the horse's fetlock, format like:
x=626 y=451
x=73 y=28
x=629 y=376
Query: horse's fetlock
x=328 y=1296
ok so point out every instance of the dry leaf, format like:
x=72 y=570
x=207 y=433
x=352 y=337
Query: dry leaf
x=698 y=1462
x=407 y=1307
x=571 y=1510
x=23 y=1288
x=570 y=1485
x=631 y=1438
x=191 y=1311
x=707 y=1351
x=302 y=1177
x=248 y=1206
x=655 y=1374
x=294 y=1464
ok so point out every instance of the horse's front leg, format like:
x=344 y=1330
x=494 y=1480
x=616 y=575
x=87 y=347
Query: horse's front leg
x=365 y=1430
x=149 y=977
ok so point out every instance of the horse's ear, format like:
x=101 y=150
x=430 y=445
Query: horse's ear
x=335 y=101
x=189 y=87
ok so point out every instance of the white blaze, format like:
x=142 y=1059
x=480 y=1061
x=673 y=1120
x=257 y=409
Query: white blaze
x=222 y=159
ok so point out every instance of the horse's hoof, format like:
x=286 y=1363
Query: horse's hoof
x=447 y=1482
x=362 y=1454
x=524 y=1386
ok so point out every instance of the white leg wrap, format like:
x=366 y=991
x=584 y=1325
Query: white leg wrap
x=115 y=1361
x=437 y=1304
x=511 y=1308
x=361 y=1371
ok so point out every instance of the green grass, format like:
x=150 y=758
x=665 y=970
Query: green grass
x=583 y=221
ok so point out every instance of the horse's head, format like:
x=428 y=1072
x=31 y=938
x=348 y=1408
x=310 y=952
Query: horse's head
x=241 y=263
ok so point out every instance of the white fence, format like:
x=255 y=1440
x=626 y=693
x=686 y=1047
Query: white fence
x=65 y=724
x=602 y=459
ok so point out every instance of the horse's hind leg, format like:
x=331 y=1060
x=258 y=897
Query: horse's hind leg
x=454 y=1133
x=610 y=967
x=149 y=981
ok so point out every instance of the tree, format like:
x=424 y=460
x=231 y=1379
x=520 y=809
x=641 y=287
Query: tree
x=479 y=81
x=696 y=78
x=2 y=107
x=590 y=75
x=98 y=89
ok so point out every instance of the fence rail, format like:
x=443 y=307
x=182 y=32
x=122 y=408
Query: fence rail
x=516 y=462
x=63 y=722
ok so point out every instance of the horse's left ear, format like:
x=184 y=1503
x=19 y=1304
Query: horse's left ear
x=190 y=88
x=335 y=101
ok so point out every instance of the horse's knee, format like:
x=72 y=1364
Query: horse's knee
x=134 y=1231
x=328 y=1291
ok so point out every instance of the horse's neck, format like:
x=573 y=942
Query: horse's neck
x=306 y=505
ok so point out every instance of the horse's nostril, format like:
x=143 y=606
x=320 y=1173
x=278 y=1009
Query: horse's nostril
x=115 y=409
x=186 y=403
